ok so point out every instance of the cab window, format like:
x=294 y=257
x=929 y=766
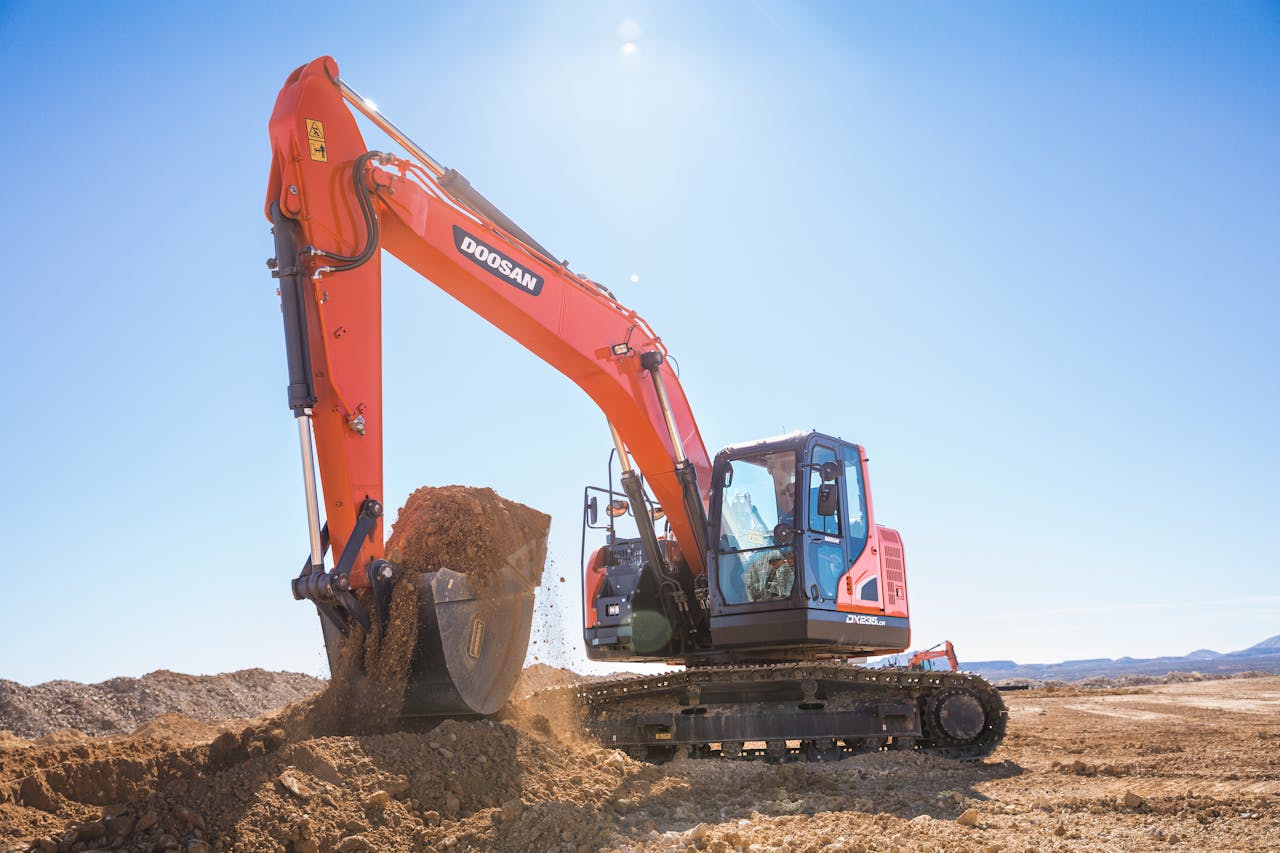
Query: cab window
x=828 y=525
x=751 y=565
x=857 y=495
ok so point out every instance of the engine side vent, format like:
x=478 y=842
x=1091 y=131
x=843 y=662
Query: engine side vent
x=895 y=574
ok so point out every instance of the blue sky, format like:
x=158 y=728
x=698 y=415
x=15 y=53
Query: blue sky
x=1026 y=253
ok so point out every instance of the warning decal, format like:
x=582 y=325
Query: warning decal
x=315 y=140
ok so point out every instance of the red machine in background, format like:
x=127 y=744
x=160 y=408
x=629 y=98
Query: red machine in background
x=769 y=567
x=920 y=660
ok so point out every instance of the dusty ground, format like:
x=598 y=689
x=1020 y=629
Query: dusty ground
x=1188 y=766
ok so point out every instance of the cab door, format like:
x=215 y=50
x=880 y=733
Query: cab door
x=825 y=555
x=862 y=587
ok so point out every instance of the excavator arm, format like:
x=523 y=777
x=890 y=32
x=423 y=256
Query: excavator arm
x=334 y=206
x=948 y=651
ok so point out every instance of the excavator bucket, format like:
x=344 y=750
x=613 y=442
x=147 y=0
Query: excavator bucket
x=458 y=623
x=470 y=646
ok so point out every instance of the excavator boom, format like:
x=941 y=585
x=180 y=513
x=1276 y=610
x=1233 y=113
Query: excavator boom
x=347 y=205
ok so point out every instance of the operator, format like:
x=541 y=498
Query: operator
x=787 y=506
x=770 y=574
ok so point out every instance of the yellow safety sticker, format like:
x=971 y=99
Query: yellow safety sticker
x=315 y=140
x=662 y=736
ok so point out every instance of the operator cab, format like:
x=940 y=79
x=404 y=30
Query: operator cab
x=794 y=563
x=796 y=567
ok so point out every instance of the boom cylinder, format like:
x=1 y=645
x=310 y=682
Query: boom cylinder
x=684 y=471
x=634 y=488
x=301 y=392
x=288 y=271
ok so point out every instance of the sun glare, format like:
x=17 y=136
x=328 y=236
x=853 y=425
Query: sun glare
x=629 y=33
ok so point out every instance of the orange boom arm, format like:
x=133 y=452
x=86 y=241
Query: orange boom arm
x=345 y=204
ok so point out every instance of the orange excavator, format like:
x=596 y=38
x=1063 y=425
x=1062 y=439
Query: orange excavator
x=760 y=571
x=921 y=659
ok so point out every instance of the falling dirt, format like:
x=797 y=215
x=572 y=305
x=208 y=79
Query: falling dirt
x=1065 y=779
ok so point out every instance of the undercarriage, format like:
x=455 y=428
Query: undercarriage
x=814 y=711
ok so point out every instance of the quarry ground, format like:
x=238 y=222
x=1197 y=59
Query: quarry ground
x=1186 y=766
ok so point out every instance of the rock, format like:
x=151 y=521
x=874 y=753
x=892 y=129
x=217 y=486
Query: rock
x=512 y=809
x=992 y=848
x=452 y=805
x=353 y=844
x=1060 y=830
x=698 y=833
x=1131 y=800
x=119 y=827
x=46 y=845
x=188 y=817
x=377 y=800
x=90 y=831
x=718 y=846
x=114 y=810
x=166 y=842
x=198 y=846
x=306 y=845
x=35 y=792
x=431 y=818
x=969 y=818
x=145 y=822
x=294 y=785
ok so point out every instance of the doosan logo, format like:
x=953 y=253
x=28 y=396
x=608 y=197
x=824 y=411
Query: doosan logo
x=496 y=262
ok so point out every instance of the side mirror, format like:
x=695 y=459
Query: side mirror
x=593 y=510
x=618 y=508
x=829 y=472
x=783 y=535
x=828 y=499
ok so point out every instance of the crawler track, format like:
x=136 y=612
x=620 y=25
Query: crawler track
x=815 y=711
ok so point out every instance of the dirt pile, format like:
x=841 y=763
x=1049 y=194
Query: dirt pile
x=120 y=705
x=476 y=785
x=1189 y=766
x=473 y=531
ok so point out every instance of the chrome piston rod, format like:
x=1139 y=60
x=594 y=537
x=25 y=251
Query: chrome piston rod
x=309 y=481
x=367 y=109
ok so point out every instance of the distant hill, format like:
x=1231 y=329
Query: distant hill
x=1263 y=656
x=1269 y=646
